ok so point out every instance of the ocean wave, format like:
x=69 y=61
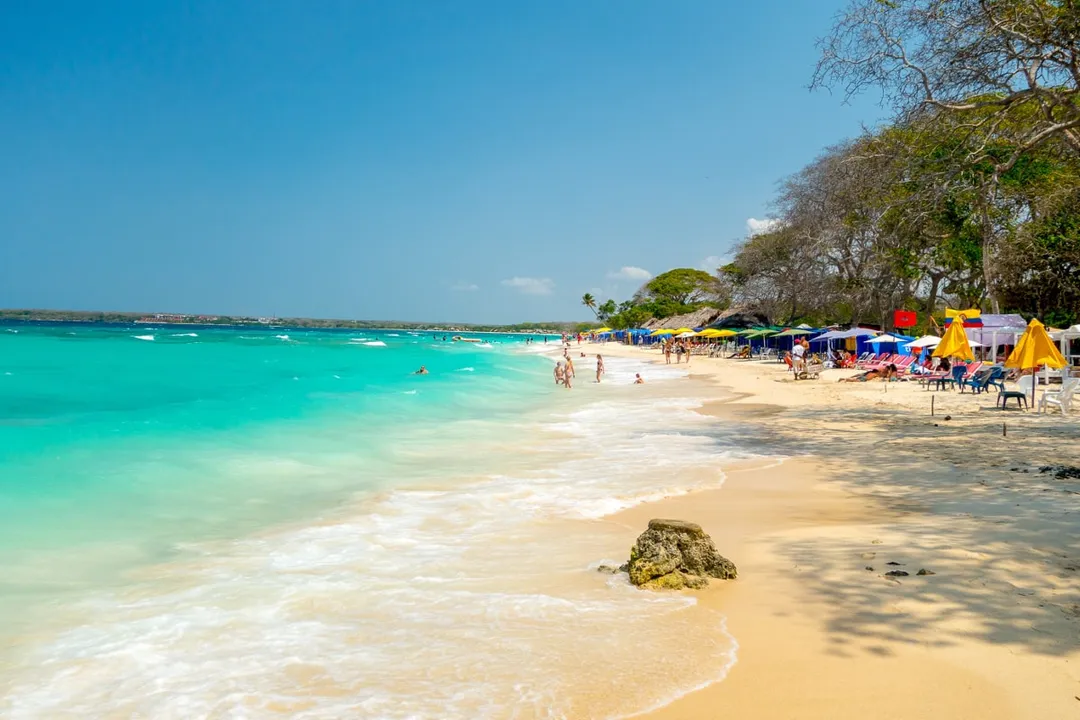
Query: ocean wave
x=484 y=345
x=466 y=369
x=374 y=343
x=392 y=335
x=185 y=335
x=282 y=337
x=437 y=601
x=143 y=337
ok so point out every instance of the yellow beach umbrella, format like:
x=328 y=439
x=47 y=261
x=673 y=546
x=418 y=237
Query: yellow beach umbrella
x=1035 y=349
x=680 y=331
x=725 y=333
x=661 y=332
x=602 y=330
x=955 y=342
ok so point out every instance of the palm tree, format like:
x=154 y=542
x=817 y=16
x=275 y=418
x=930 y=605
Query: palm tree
x=590 y=302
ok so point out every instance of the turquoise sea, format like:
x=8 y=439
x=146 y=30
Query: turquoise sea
x=239 y=522
x=118 y=442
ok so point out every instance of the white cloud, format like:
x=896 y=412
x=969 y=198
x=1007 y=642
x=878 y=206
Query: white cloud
x=712 y=262
x=629 y=272
x=530 y=286
x=756 y=227
x=465 y=287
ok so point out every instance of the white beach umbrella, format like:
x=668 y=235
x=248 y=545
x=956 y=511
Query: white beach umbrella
x=686 y=335
x=924 y=342
x=885 y=339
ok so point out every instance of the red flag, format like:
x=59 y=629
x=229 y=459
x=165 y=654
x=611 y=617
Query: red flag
x=904 y=318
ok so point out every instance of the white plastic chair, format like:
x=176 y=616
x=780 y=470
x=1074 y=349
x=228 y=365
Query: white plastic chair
x=1062 y=398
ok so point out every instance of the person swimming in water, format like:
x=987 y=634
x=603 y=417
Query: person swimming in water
x=422 y=371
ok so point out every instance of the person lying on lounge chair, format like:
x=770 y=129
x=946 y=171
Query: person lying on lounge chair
x=744 y=352
x=885 y=374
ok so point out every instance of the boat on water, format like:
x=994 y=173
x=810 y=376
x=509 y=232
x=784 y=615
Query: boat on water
x=458 y=338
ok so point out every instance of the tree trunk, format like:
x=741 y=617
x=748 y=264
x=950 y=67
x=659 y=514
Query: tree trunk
x=931 y=302
x=987 y=224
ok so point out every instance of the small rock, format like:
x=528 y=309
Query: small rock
x=875 y=542
x=924 y=571
x=896 y=573
x=870 y=568
x=607 y=569
x=948 y=417
x=893 y=563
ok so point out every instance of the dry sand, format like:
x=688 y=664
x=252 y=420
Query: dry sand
x=871 y=478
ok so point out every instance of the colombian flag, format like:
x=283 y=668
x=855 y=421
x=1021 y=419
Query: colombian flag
x=971 y=318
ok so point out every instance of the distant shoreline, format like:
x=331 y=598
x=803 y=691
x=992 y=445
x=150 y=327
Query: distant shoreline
x=283 y=326
x=107 y=318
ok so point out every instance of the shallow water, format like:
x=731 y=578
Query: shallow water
x=229 y=523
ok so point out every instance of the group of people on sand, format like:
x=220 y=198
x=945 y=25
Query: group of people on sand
x=680 y=348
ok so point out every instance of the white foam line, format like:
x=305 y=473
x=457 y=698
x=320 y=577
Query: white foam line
x=733 y=657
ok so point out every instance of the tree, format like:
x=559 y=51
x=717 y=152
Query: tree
x=1008 y=67
x=677 y=291
x=606 y=309
x=590 y=302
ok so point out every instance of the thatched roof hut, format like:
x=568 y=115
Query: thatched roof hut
x=702 y=317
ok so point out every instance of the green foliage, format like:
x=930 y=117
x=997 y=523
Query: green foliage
x=678 y=288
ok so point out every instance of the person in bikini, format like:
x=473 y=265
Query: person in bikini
x=599 y=367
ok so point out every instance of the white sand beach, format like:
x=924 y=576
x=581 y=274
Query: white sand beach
x=872 y=484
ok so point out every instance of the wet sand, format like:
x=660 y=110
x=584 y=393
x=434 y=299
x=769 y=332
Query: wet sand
x=873 y=479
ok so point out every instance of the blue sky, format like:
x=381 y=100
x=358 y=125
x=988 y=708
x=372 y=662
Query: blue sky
x=472 y=161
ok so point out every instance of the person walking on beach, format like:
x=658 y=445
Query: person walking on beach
x=570 y=372
x=667 y=351
x=797 y=358
x=559 y=373
x=599 y=367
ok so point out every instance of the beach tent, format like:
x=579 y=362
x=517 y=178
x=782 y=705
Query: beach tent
x=955 y=343
x=1005 y=327
x=1034 y=350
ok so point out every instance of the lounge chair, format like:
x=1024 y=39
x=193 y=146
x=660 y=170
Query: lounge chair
x=1020 y=395
x=1062 y=398
x=980 y=381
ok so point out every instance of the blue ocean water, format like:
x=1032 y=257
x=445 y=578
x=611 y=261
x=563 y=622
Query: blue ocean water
x=118 y=443
x=205 y=522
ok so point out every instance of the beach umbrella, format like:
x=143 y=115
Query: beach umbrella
x=955 y=343
x=1034 y=350
x=724 y=333
x=682 y=331
x=688 y=333
x=602 y=330
x=924 y=342
x=661 y=332
x=885 y=339
x=794 y=332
